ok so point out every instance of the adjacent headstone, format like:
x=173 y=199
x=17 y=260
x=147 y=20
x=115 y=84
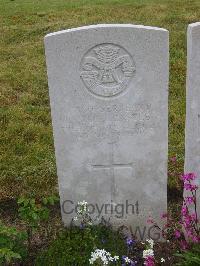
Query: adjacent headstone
x=108 y=88
x=192 y=132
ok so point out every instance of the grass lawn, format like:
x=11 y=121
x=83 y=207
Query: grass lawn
x=27 y=152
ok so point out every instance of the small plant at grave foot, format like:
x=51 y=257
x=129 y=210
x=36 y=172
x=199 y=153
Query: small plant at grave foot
x=98 y=257
x=185 y=232
x=188 y=228
x=148 y=253
x=12 y=244
x=33 y=213
x=74 y=245
x=101 y=257
x=84 y=220
x=47 y=202
x=190 y=257
x=190 y=224
x=7 y=256
x=51 y=200
x=189 y=219
x=83 y=216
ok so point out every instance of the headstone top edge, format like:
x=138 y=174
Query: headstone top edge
x=193 y=27
x=100 y=26
x=195 y=24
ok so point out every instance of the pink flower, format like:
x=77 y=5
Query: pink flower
x=195 y=239
x=188 y=177
x=189 y=232
x=190 y=200
x=149 y=261
x=194 y=217
x=164 y=215
x=184 y=211
x=190 y=187
x=177 y=234
x=187 y=221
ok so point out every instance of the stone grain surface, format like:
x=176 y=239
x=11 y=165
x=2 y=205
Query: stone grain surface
x=192 y=132
x=108 y=87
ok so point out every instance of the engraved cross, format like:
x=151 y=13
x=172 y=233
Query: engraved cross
x=111 y=165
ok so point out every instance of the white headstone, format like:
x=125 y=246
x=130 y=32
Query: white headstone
x=192 y=133
x=108 y=88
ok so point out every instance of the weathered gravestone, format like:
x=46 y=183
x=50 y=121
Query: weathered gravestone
x=192 y=136
x=108 y=89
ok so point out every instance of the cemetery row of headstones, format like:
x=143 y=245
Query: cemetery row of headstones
x=108 y=87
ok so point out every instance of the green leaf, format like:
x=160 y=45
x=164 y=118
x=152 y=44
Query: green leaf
x=45 y=201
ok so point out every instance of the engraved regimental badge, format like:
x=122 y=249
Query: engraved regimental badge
x=106 y=69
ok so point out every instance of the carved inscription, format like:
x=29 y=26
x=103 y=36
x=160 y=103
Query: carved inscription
x=110 y=122
x=106 y=69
